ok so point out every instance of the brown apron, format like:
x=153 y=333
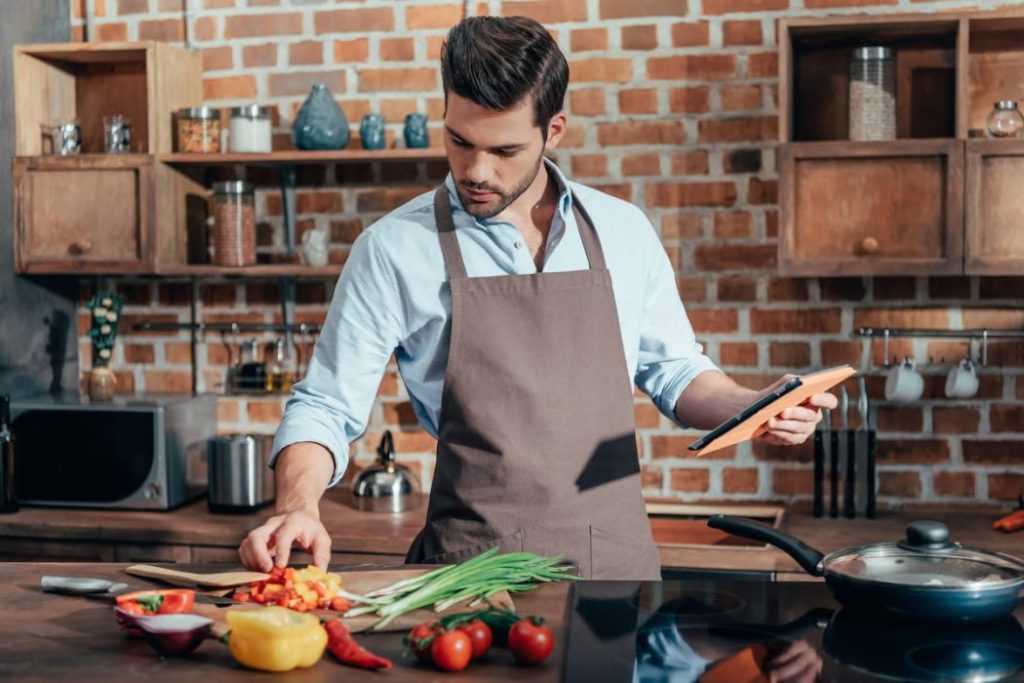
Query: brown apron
x=537 y=443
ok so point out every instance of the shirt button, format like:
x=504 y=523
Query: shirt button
x=518 y=245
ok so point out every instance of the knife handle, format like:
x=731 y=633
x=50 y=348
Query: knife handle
x=849 y=509
x=819 y=473
x=833 y=457
x=870 y=512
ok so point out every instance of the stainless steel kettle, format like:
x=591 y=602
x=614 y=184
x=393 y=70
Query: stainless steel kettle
x=385 y=486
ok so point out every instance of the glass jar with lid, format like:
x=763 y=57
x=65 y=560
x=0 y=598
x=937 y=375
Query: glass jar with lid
x=250 y=129
x=1005 y=120
x=234 y=224
x=872 y=93
x=199 y=130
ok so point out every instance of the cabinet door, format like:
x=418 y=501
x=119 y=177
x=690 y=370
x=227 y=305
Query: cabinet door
x=872 y=208
x=995 y=207
x=90 y=214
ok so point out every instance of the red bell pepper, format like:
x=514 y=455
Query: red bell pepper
x=170 y=601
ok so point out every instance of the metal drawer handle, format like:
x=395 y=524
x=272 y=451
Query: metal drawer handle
x=79 y=247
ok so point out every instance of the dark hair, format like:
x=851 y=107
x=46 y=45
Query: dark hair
x=495 y=62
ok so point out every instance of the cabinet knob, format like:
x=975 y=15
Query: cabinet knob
x=869 y=245
x=79 y=247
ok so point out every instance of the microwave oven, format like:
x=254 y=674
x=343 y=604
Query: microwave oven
x=133 y=453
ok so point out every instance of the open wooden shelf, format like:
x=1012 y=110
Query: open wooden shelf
x=255 y=271
x=296 y=157
x=814 y=74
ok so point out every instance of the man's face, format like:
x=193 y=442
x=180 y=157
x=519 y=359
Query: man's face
x=494 y=155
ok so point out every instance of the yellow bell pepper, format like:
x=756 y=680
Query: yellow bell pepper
x=275 y=638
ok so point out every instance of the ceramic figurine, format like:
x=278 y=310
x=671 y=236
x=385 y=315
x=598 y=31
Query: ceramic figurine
x=416 y=131
x=371 y=131
x=314 y=246
x=320 y=123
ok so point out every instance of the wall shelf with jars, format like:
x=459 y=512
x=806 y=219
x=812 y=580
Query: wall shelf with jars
x=899 y=150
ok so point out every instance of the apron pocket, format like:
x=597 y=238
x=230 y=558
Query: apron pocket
x=621 y=557
x=511 y=543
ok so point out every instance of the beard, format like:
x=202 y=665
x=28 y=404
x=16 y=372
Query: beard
x=504 y=198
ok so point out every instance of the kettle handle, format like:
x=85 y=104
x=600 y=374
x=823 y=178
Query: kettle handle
x=386 y=449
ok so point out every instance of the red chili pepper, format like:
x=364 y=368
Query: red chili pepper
x=1011 y=522
x=348 y=651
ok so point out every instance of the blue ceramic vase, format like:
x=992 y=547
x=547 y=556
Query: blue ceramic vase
x=320 y=123
x=371 y=131
x=416 y=131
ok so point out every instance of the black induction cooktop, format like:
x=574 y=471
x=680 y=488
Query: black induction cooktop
x=751 y=631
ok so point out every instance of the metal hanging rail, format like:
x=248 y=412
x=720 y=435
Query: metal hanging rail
x=200 y=327
x=887 y=333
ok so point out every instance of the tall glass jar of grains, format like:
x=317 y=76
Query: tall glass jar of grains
x=234 y=224
x=872 y=94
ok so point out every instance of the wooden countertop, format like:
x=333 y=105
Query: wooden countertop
x=49 y=637
x=684 y=545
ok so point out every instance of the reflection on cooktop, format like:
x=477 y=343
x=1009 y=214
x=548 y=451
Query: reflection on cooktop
x=747 y=632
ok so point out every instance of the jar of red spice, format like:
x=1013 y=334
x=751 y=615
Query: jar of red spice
x=234 y=224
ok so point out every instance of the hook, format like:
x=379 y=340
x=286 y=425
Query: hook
x=885 y=346
x=984 y=347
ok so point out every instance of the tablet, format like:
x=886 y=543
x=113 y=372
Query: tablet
x=750 y=422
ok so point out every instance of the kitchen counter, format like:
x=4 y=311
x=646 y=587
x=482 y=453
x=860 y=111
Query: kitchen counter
x=49 y=637
x=192 y=534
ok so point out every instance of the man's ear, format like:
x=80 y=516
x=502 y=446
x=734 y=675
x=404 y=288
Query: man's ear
x=556 y=129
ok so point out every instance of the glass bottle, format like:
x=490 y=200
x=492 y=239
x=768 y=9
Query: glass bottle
x=1005 y=120
x=234 y=223
x=8 y=495
x=252 y=371
x=281 y=374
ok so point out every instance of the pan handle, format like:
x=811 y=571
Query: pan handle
x=806 y=556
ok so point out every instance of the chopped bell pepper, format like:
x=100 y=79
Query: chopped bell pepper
x=275 y=638
x=170 y=601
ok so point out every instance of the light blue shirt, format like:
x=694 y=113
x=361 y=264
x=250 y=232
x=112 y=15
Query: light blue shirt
x=392 y=298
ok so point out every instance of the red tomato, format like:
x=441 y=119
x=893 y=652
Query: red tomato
x=530 y=641
x=451 y=651
x=419 y=634
x=480 y=635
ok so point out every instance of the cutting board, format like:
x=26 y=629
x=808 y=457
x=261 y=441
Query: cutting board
x=754 y=426
x=359 y=582
x=183 y=579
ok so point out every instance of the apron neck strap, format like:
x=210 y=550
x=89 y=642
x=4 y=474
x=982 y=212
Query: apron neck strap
x=453 y=255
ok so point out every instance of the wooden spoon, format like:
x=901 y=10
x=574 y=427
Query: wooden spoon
x=176 y=577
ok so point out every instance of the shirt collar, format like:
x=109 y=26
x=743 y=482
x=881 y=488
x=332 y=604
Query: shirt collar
x=564 y=195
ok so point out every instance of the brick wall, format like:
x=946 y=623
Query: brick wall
x=673 y=106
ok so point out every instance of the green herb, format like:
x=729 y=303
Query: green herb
x=475 y=580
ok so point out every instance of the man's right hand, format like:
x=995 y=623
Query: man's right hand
x=271 y=543
x=301 y=474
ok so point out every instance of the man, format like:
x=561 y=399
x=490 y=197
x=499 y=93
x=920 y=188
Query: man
x=521 y=308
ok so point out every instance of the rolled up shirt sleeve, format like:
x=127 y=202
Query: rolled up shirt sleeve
x=331 y=405
x=670 y=357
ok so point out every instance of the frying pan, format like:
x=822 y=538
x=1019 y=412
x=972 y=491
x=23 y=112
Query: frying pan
x=924 y=576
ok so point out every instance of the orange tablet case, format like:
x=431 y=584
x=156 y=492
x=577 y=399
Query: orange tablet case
x=754 y=426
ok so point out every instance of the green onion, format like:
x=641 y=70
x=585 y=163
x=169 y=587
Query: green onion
x=475 y=580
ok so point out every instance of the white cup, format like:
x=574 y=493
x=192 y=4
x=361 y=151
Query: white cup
x=904 y=383
x=962 y=380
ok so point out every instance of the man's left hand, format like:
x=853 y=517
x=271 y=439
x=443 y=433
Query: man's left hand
x=793 y=425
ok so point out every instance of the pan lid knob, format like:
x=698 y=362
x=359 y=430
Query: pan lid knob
x=927 y=536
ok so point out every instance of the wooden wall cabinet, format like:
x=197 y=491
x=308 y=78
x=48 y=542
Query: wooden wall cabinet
x=871 y=208
x=935 y=200
x=97 y=212
x=87 y=214
x=995 y=207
